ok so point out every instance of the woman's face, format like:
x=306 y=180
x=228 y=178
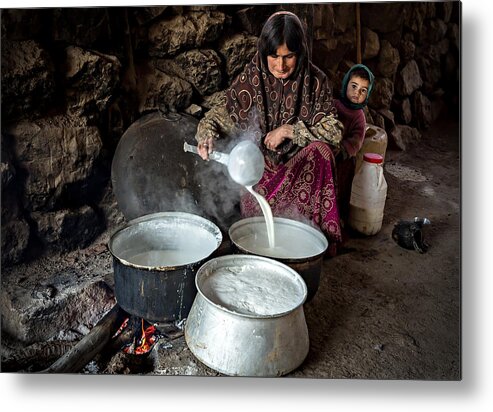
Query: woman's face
x=283 y=63
x=357 y=89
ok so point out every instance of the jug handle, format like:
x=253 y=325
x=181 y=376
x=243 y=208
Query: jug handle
x=380 y=175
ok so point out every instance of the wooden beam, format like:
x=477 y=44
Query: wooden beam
x=90 y=345
x=358 y=35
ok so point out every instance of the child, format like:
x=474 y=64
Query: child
x=355 y=92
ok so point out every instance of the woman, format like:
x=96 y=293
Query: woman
x=283 y=102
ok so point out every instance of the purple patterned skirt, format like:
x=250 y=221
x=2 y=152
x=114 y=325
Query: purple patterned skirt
x=302 y=189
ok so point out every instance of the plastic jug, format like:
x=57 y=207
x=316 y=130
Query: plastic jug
x=375 y=142
x=368 y=194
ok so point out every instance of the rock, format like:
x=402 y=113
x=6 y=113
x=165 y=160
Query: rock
x=67 y=229
x=407 y=50
x=38 y=318
x=370 y=44
x=422 y=110
x=200 y=68
x=408 y=79
x=403 y=136
x=444 y=10
x=90 y=80
x=28 y=83
x=403 y=110
x=237 y=51
x=416 y=15
x=368 y=115
x=388 y=60
x=432 y=31
x=450 y=68
x=437 y=106
x=24 y=23
x=381 y=96
x=15 y=239
x=160 y=91
x=344 y=17
x=144 y=15
x=453 y=33
x=252 y=19
x=7 y=172
x=192 y=30
x=85 y=27
x=429 y=62
x=323 y=22
x=330 y=52
x=382 y=17
x=394 y=37
x=388 y=117
x=54 y=153
x=443 y=46
x=376 y=119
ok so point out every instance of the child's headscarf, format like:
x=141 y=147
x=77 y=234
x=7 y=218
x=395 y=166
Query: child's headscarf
x=345 y=83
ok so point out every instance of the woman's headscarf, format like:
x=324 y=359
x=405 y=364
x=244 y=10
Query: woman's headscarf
x=345 y=82
x=258 y=102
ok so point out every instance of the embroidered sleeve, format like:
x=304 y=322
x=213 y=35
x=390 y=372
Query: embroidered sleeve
x=216 y=123
x=328 y=129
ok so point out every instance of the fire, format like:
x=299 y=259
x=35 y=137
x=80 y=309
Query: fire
x=147 y=339
x=143 y=340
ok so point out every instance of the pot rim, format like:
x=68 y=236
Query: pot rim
x=211 y=262
x=215 y=231
x=310 y=229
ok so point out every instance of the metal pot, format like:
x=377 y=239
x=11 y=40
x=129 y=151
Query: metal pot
x=155 y=259
x=247 y=318
x=305 y=246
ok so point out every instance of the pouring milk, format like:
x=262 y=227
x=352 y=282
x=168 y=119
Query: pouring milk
x=245 y=165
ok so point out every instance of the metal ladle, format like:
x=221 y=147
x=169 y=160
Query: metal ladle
x=245 y=163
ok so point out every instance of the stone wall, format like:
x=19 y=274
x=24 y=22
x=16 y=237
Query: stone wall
x=73 y=80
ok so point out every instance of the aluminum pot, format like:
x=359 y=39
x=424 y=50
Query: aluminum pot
x=304 y=246
x=247 y=318
x=155 y=260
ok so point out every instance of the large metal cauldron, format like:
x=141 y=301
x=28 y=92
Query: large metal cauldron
x=247 y=318
x=302 y=246
x=155 y=259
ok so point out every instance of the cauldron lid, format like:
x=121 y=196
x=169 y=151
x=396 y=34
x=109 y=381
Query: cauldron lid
x=150 y=172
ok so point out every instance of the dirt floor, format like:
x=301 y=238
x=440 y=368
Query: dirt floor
x=381 y=311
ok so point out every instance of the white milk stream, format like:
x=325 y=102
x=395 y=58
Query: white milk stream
x=269 y=219
x=245 y=165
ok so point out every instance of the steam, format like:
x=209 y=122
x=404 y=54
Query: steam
x=219 y=195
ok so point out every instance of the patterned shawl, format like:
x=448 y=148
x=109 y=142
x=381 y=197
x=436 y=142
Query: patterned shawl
x=258 y=102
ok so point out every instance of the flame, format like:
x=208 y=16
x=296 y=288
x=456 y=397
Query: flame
x=145 y=342
x=147 y=339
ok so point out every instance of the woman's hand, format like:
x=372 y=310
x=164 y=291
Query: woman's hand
x=275 y=137
x=205 y=147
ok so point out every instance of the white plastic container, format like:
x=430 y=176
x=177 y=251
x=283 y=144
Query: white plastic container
x=368 y=194
x=375 y=142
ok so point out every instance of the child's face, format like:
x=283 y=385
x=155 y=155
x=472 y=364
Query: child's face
x=357 y=89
